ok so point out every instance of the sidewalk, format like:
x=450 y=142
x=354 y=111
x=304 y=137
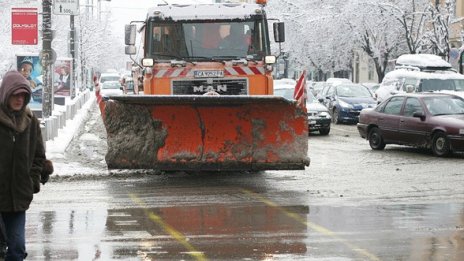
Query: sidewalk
x=59 y=129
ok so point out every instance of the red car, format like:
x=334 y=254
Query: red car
x=429 y=120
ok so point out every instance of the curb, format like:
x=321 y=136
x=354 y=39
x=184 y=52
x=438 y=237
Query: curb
x=58 y=130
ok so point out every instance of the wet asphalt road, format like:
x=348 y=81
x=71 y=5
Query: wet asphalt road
x=352 y=203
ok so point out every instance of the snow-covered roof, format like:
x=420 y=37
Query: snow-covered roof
x=206 y=11
x=403 y=73
x=422 y=61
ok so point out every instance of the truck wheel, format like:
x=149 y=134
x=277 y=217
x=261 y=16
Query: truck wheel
x=440 y=144
x=375 y=139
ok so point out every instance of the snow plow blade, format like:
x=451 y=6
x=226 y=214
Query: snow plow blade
x=211 y=133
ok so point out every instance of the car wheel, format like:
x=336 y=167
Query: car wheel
x=440 y=144
x=335 y=117
x=324 y=131
x=375 y=139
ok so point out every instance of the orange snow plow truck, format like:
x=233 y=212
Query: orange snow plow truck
x=207 y=102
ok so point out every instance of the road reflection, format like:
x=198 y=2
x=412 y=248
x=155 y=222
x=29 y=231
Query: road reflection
x=245 y=226
x=213 y=231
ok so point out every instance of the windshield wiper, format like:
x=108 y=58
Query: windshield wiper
x=228 y=57
x=204 y=58
x=168 y=55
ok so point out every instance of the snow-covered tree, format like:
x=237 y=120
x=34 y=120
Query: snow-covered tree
x=441 y=18
x=323 y=34
x=378 y=35
x=412 y=16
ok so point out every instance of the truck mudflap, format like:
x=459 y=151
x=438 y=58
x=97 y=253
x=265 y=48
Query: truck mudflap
x=213 y=133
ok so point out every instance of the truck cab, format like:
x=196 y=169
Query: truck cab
x=204 y=48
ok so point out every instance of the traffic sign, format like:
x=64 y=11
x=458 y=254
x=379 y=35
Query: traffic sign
x=66 y=7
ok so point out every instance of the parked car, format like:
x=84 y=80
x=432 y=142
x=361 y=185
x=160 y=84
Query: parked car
x=318 y=115
x=421 y=73
x=319 y=118
x=317 y=87
x=109 y=76
x=372 y=86
x=430 y=120
x=127 y=83
x=109 y=88
x=345 y=101
x=406 y=81
x=336 y=81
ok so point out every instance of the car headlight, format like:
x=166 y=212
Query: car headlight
x=344 y=104
x=324 y=114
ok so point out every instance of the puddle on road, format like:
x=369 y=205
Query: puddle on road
x=216 y=231
x=255 y=232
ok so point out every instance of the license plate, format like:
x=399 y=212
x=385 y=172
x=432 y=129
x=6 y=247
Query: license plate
x=312 y=122
x=208 y=74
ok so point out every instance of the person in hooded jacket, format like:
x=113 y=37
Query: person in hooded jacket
x=22 y=155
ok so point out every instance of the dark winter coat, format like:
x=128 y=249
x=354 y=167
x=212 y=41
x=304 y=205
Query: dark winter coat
x=21 y=148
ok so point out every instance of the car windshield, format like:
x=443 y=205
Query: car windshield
x=444 y=105
x=311 y=98
x=109 y=78
x=111 y=85
x=287 y=93
x=352 y=91
x=430 y=85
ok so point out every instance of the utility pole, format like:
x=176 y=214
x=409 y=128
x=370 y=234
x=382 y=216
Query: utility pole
x=47 y=58
x=72 y=49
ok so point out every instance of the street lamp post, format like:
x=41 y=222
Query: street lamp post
x=47 y=59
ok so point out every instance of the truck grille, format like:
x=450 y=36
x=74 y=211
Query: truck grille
x=221 y=86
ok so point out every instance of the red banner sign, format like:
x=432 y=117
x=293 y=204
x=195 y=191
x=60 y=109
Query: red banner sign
x=24 y=29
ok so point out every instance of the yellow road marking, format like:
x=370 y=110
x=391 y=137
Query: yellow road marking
x=178 y=236
x=313 y=226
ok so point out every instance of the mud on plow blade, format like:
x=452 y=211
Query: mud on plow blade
x=212 y=133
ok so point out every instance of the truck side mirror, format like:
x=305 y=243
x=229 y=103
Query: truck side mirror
x=130 y=34
x=279 y=32
x=131 y=49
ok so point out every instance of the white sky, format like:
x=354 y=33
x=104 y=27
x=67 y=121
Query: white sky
x=125 y=11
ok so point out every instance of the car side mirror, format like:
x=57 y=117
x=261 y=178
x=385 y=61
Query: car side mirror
x=419 y=114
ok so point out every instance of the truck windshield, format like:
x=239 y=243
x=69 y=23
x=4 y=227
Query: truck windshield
x=215 y=40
